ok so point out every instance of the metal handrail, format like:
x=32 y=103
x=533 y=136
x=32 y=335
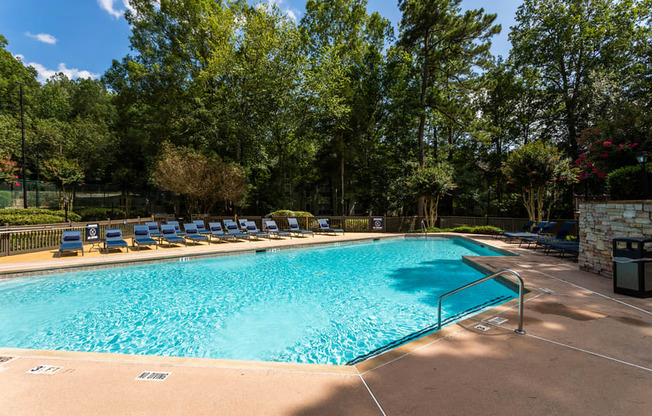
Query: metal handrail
x=423 y=226
x=521 y=285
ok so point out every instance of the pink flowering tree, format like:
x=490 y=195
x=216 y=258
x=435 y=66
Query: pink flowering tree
x=602 y=154
x=541 y=175
x=8 y=171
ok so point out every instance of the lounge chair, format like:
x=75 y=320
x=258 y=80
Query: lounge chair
x=177 y=227
x=571 y=247
x=534 y=233
x=170 y=235
x=253 y=230
x=232 y=228
x=272 y=229
x=242 y=223
x=142 y=238
x=543 y=232
x=560 y=237
x=526 y=228
x=294 y=228
x=153 y=229
x=192 y=233
x=114 y=240
x=71 y=241
x=218 y=232
x=325 y=228
x=201 y=227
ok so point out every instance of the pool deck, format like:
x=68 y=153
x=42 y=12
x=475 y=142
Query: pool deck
x=586 y=352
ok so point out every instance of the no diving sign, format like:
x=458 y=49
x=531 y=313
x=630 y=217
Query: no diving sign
x=92 y=232
x=377 y=223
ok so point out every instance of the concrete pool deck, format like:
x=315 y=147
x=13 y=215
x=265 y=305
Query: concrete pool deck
x=586 y=352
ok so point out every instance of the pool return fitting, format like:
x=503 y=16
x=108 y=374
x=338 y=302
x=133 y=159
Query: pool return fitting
x=521 y=286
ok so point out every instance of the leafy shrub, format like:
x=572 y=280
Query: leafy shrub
x=34 y=216
x=626 y=183
x=288 y=213
x=100 y=214
x=5 y=199
x=481 y=229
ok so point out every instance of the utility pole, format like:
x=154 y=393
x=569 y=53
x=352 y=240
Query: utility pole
x=22 y=126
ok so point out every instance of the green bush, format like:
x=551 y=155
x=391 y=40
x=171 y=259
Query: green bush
x=34 y=216
x=626 y=183
x=5 y=199
x=481 y=229
x=100 y=214
x=288 y=213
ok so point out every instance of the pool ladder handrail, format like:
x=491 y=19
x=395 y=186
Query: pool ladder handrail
x=423 y=226
x=521 y=285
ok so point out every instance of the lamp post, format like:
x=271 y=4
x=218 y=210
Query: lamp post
x=22 y=127
x=642 y=157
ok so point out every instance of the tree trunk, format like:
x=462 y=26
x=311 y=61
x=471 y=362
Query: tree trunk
x=422 y=116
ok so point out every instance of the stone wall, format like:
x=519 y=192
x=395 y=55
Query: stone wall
x=601 y=222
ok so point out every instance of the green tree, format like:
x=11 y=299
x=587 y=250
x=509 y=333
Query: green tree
x=573 y=46
x=67 y=174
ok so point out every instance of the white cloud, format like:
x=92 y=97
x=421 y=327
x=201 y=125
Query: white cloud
x=45 y=73
x=290 y=12
x=112 y=7
x=43 y=37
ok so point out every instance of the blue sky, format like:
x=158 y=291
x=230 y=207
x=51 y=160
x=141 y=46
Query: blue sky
x=82 y=37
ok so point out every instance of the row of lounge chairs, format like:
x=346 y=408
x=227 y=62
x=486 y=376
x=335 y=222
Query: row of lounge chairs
x=171 y=233
x=539 y=236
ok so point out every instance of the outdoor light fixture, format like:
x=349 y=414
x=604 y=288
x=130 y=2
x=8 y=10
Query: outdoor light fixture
x=642 y=158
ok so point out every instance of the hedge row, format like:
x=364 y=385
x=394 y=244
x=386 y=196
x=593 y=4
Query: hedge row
x=481 y=229
x=35 y=216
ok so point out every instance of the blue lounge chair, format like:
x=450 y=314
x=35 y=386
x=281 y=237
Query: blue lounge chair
x=114 y=240
x=153 y=229
x=201 y=227
x=71 y=241
x=294 y=228
x=526 y=228
x=142 y=238
x=571 y=247
x=325 y=228
x=534 y=233
x=544 y=232
x=242 y=223
x=233 y=229
x=272 y=229
x=560 y=237
x=170 y=235
x=218 y=232
x=252 y=229
x=177 y=227
x=192 y=233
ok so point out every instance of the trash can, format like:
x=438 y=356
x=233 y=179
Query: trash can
x=632 y=266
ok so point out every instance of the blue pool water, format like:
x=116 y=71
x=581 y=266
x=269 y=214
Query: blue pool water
x=323 y=305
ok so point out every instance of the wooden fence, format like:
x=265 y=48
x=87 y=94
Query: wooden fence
x=25 y=239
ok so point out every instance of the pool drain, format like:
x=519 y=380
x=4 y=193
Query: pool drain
x=497 y=320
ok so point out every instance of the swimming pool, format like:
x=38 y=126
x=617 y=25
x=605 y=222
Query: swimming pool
x=328 y=305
